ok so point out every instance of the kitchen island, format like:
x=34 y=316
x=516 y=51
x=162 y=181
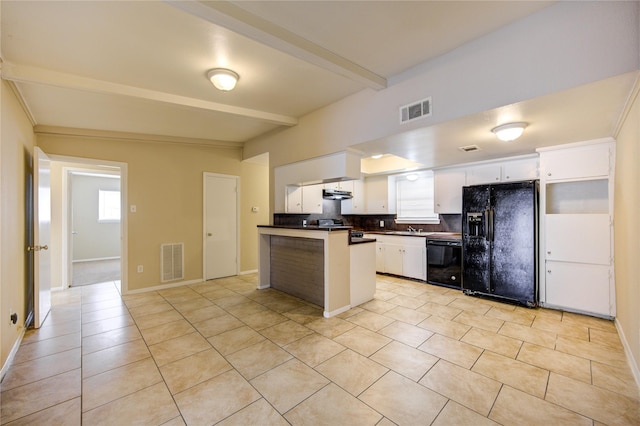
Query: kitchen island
x=319 y=264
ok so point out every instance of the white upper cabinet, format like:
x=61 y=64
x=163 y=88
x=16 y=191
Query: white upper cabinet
x=484 y=174
x=380 y=195
x=356 y=204
x=312 y=199
x=517 y=170
x=448 y=190
x=293 y=199
x=585 y=162
x=346 y=185
x=303 y=199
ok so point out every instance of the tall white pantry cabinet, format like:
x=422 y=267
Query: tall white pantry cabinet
x=576 y=223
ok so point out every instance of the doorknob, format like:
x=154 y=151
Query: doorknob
x=209 y=234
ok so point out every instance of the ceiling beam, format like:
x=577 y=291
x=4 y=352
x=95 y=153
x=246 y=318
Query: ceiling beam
x=34 y=75
x=238 y=20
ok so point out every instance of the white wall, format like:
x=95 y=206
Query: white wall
x=627 y=232
x=92 y=239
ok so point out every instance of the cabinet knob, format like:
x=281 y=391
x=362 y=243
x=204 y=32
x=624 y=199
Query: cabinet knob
x=548 y=174
x=548 y=252
x=548 y=271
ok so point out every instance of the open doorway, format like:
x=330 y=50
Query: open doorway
x=89 y=222
x=94 y=225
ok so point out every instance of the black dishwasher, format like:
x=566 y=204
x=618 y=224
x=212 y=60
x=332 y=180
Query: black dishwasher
x=444 y=262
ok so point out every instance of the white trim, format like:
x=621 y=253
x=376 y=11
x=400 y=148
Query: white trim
x=633 y=363
x=163 y=287
x=12 y=353
x=251 y=271
x=335 y=312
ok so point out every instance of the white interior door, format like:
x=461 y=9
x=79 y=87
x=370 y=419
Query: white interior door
x=220 y=226
x=42 y=234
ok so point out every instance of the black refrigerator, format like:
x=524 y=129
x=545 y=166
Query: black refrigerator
x=500 y=241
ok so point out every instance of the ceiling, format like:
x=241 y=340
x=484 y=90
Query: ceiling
x=140 y=67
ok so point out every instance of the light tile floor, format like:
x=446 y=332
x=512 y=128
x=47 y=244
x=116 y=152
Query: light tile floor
x=222 y=352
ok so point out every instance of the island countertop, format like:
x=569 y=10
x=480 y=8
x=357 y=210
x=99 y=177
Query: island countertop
x=310 y=227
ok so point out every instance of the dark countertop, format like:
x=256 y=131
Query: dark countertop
x=359 y=240
x=309 y=227
x=433 y=235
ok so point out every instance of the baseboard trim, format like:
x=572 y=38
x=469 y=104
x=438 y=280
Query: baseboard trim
x=163 y=286
x=633 y=363
x=12 y=354
x=338 y=311
x=252 y=271
x=97 y=259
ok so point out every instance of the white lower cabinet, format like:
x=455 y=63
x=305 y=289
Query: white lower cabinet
x=580 y=286
x=414 y=261
x=403 y=256
x=393 y=254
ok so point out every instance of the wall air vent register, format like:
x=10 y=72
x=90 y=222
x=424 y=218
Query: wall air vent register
x=415 y=110
x=171 y=262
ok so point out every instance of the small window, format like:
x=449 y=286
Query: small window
x=415 y=198
x=108 y=206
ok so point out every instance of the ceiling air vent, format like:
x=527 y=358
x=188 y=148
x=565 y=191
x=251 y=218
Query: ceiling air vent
x=469 y=148
x=415 y=110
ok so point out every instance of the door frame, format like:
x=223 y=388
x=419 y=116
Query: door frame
x=205 y=175
x=91 y=165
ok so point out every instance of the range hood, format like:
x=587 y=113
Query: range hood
x=334 y=194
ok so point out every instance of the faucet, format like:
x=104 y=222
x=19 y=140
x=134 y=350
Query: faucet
x=411 y=229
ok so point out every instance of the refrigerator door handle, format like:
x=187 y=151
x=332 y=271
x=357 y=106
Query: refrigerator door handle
x=485 y=221
x=490 y=225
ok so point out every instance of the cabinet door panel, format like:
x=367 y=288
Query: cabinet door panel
x=583 y=238
x=293 y=199
x=380 y=257
x=312 y=199
x=478 y=175
x=413 y=262
x=578 y=286
x=516 y=170
x=448 y=190
x=393 y=259
x=576 y=163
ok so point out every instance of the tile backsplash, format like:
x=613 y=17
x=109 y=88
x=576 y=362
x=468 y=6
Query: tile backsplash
x=331 y=210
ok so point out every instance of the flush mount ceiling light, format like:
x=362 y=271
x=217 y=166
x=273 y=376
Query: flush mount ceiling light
x=377 y=156
x=510 y=131
x=223 y=79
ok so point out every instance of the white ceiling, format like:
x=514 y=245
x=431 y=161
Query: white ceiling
x=140 y=67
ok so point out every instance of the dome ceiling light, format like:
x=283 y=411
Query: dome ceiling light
x=510 y=131
x=223 y=79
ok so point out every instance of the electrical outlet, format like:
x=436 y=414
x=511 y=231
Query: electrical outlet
x=382 y=224
x=140 y=268
x=133 y=208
